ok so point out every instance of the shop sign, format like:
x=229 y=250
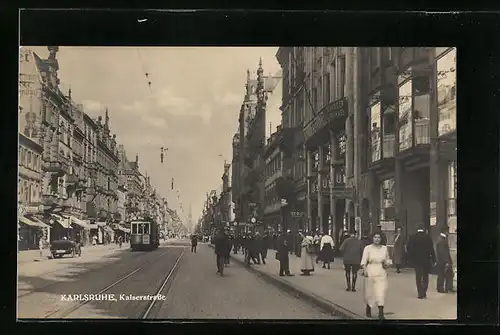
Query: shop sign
x=296 y=214
x=30 y=209
x=334 y=111
x=343 y=192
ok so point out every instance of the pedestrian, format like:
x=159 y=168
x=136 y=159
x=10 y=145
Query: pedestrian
x=265 y=246
x=375 y=261
x=383 y=237
x=421 y=255
x=444 y=265
x=307 y=257
x=41 y=245
x=120 y=241
x=296 y=243
x=253 y=249
x=194 y=243
x=366 y=239
x=352 y=251
x=94 y=240
x=344 y=236
x=326 y=250
x=316 y=244
x=220 y=242
x=282 y=256
x=399 y=250
x=230 y=242
x=259 y=248
x=289 y=241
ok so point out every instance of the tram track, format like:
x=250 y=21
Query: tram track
x=66 y=312
x=85 y=273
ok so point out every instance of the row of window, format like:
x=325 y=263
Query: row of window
x=272 y=167
x=29 y=159
x=310 y=100
x=29 y=191
x=413 y=118
x=270 y=195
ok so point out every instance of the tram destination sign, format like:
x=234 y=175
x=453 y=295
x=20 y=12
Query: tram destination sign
x=336 y=110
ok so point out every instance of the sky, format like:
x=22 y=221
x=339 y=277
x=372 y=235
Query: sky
x=192 y=108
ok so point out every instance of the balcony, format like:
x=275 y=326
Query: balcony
x=422 y=132
x=53 y=167
x=383 y=160
x=389 y=146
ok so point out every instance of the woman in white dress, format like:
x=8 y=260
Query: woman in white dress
x=374 y=262
x=307 y=253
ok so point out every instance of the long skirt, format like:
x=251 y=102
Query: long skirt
x=375 y=290
x=326 y=254
x=307 y=261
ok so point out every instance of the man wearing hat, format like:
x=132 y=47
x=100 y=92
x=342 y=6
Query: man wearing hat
x=282 y=253
x=421 y=255
x=444 y=264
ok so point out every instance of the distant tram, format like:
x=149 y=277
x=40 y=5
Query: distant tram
x=145 y=234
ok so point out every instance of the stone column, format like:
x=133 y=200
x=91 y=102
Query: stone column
x=308 y=192
x=333 y=201
x=438 y=168
x=321 y=154
x=356 y=148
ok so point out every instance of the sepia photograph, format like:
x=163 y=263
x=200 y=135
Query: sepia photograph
x=244 y=182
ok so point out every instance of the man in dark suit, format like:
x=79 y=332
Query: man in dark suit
x=283 y=249
x=421 y=255
x=444 y=265
x=221 y=243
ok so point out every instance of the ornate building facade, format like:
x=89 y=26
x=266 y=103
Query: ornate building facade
x=30 y=185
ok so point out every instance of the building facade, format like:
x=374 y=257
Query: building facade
x=30 y=185
x=273 y=157
x=316 y=83
x=58 y=123
x=409 y=147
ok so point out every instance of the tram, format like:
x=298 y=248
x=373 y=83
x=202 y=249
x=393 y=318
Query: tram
x=145 y=234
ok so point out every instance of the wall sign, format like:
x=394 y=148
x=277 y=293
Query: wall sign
x=334 y=111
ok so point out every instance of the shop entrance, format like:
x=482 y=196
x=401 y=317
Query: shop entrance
x=416 y=197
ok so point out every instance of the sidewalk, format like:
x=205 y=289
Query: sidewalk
x=326 y=288
x=27 y=256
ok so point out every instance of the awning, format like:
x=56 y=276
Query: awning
x=101 y=224
x=66 y=223
x=31 y=223
x=81 y=223
x=41 y=223
x=121 y=228
x=93 y=226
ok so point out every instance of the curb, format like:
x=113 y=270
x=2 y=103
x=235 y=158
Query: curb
x=303 y=294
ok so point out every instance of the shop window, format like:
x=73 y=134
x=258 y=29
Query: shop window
x=375 y=132
x=421 y=109
x=389 y=131
x=387 y=205
x=446 y=92
x=342 y=146
x=404 y=116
